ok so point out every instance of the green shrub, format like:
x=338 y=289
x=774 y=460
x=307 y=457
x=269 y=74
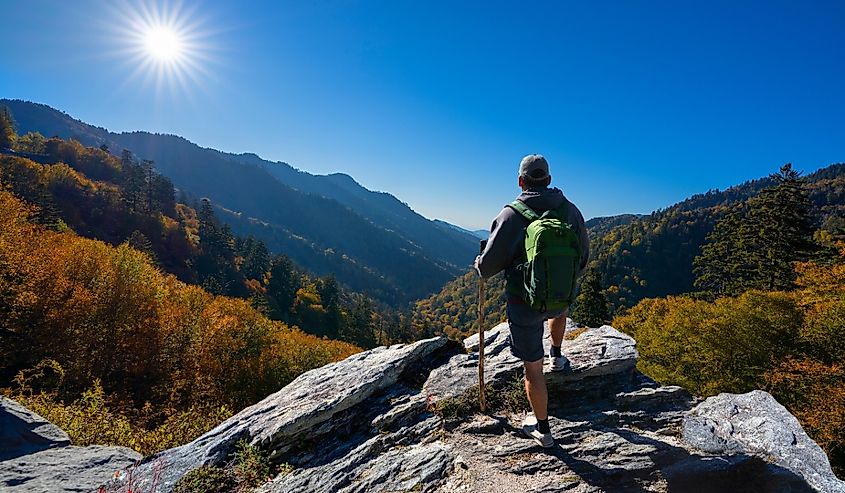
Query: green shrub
x=206 y=479
x=252 y=466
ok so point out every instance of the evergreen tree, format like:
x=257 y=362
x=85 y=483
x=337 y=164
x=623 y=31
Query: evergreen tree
x=133 y=180
x=329 y=292
x=255 y=258
x=284 y=282
x=591 y=304
x=140 y=242
x=7 y=129
x=359 y=327
x=724 y=265
x=781 y=215
x=756 y=247
x=149 y=171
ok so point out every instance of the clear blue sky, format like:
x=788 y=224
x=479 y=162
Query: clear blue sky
x=636 y=104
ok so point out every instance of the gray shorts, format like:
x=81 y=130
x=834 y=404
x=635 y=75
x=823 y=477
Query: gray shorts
x=526 y=330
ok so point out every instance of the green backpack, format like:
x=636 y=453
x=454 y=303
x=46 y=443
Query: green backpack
x=552 y=259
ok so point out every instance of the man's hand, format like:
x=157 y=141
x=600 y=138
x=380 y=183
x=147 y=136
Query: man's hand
x=481 y=246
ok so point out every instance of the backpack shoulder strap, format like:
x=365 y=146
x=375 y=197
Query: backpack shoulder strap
x=524 y=210
x=563 y=211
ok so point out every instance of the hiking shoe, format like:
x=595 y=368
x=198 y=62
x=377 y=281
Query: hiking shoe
x=529 y=427
x=559 y=363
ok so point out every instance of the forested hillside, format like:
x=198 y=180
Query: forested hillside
x=96 y=195
x=653 y=255
x=328 y=224
x=157 y=361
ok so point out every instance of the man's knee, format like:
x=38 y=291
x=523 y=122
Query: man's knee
x=534 y=371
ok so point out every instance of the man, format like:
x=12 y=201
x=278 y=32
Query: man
x=504 y=251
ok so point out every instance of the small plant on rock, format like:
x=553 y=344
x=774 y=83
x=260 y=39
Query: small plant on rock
x=206 y=479
x=252 y=466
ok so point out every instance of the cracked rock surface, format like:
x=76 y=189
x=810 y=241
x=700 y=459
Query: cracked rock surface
x=366 y=424
x=36 y=456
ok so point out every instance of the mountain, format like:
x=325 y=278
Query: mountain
x=598 y=226
x=480 y=234
x=405 y=418
x=327 y=224
x=651 y=256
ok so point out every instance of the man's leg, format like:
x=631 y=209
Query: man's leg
x=557 y=326
x=535 y=388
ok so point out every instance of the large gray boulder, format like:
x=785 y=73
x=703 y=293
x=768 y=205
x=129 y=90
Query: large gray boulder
x=597 y=353
x=36 y=456
x=315 y=404
x=65 y=469
x=756 y=424
x=24 y=432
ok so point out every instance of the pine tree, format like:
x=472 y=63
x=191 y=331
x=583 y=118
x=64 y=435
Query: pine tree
x=756 y=246
x=284 y=282
x=329 y=292
x=7 y=129
x=591 y=304
x=781 y=217
x=133 y=180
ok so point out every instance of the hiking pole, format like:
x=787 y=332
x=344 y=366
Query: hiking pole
x=481 y=391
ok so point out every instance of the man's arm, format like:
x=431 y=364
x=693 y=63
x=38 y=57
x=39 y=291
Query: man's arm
x=499 y=252
x=584 y=237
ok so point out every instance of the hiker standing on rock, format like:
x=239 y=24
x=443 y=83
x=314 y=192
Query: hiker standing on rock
x=541 y=243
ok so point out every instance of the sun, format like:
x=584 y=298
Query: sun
x=163 y=44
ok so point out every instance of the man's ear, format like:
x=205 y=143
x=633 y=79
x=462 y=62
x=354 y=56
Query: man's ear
x=521 y=182
x=549 y=180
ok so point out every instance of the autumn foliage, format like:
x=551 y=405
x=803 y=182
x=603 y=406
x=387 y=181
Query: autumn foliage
x=109 y=314
x=789 y=343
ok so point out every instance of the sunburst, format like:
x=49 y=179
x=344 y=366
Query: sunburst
x=164 y=44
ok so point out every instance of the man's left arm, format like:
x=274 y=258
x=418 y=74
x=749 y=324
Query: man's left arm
x=584 y=238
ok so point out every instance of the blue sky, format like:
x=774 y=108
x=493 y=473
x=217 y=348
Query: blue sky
x=636 y=104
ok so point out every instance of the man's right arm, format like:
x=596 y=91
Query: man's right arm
x=499 y=252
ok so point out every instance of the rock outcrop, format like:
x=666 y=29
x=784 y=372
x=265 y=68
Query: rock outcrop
x=36 y=456
x=367 y=424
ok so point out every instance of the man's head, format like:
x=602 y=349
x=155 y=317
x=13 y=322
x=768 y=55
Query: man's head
x=534 y=172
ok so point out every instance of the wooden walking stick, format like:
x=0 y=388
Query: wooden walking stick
x=482 y=398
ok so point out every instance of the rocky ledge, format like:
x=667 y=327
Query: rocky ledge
x=385 y=420
x=37 y=456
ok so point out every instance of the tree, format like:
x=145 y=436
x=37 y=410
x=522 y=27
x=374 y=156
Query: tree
x=359 y=327
x=149 y=173
x=591 y=305
x=284 y=282
x=329 y=292
x=31 y=142
x=133 y=180
x=757 y=246
x=7 y=129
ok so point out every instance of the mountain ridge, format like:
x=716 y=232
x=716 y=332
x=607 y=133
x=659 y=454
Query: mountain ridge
x=375 y=242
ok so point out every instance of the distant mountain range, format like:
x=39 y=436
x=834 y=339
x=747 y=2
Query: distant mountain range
x=481 y=234
x=371 y=241
x=637 y=256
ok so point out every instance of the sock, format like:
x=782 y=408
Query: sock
x=556 y=352
x=543 y=426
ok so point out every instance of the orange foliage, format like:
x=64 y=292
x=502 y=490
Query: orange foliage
x=106 y=312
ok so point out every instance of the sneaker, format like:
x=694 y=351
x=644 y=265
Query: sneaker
x=529 y=427
x=559 y=363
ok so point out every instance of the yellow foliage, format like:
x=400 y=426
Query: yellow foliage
x=107 y=313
